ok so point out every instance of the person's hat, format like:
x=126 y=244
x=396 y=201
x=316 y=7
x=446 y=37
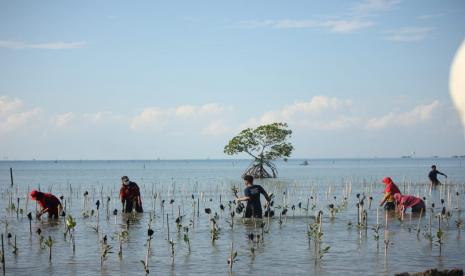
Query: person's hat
x=387 y=180
x=33 y=194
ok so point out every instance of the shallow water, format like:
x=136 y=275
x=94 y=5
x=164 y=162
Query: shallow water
x=286 y=248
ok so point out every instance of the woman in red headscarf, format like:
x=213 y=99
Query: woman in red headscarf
x=408 y=201
x=49 y=203
x=390 y=190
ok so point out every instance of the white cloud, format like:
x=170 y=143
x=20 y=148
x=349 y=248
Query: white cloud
x=11 y=44
x=216 y=128
x=420 y=113
x=373 y=6
x=151 y=117
x=334 y=25
x=315 y=105
x=12 y=115
x=156 y=117
x=320 y=112
x=408 y=34
x=98 y=117
x=63 y=120
x=346 y=26
x=188 y=111
x=430 y=16
x=8 y=105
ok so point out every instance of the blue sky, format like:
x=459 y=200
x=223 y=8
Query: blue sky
x=176 y=79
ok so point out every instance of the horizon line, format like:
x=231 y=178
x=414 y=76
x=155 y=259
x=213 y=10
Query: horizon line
x=243 y=159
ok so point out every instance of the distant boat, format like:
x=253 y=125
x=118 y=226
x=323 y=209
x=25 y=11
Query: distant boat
x=305 y=163
x=409 y=156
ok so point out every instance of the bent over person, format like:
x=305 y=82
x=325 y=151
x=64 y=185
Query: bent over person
x=252 y=196
x=49 y=203
x=130 y=196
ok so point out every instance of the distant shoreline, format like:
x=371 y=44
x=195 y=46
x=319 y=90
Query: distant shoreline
x=231 y=159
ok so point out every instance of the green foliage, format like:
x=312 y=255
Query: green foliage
x=376 y=232
x=49 y=242
x=70 y=222
x=232 y=259
x=264 y=143
x=323 y=251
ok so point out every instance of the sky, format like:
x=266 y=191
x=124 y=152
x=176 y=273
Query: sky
x=177 y=79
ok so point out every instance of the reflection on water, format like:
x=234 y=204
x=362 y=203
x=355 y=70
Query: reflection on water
x=284 y=248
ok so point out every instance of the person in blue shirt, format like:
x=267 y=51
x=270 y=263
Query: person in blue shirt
x=252 y=196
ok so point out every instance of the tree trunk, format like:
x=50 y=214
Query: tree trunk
x=257 y=170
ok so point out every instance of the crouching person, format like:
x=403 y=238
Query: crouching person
x=49 y=204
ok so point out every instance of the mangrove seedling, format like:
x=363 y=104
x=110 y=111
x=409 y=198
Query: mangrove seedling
x=171 y=242
x=106 y=250
x=232 y=257
x=376 y=232
x=323 y=251
x=29 y=217
x=262 y=227
x=122 y=236
x=41 y=238
x=15 y=248
x=214 y=230
x=146 y=262
x=231 y=221
x=332 y=211
x=70 y=225
x=49 y=243
x=186 y=238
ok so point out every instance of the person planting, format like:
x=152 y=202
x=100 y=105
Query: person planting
x=390 y=190
x=252 y=196
x=130 y=196
x=49 y=204
x=408 y=201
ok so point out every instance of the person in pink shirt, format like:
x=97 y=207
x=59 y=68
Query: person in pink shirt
x=408 y=201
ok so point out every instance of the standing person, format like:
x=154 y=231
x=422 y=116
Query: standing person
x=252 y=196
x=49 y=204
x=408 y=201
x=390 y=190
x=433 y=176
x=130 y=196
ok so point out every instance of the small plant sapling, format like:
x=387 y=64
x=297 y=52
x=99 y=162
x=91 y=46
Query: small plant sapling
x=186 y=238
x=41 y=238
x=232 y=257
x=15 y=248
x=105 y=251
x=115 y=214
x=122 y=236
x=49 y=243
x=29 y=217
x=231 y=220
x=172 y=243
x=214 y=230
x=146 y=262
x=70 y=226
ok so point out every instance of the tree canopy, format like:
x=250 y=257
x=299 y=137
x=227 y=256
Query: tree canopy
x=264 y=144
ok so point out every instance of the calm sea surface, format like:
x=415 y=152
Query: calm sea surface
x=285 y=248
